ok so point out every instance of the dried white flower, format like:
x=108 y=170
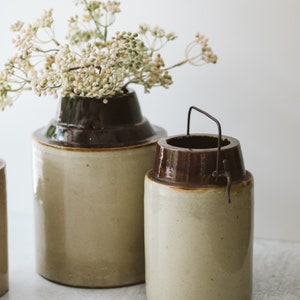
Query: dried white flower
x=91 y=64
x=16 y=26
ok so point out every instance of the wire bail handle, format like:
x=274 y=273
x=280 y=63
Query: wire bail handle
x=217 y=173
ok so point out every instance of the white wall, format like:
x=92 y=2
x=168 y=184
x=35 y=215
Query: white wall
x=253 y=90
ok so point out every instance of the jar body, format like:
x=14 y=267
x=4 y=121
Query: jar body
x=198 y=246
x=89 y=165
x=89 y=214
x=3 y=232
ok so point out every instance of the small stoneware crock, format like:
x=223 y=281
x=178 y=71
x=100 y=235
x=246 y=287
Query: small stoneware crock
x=89 y=166
x=3 y=232
x=198 y=220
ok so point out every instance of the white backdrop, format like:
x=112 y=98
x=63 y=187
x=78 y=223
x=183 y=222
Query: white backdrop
x=254 y=90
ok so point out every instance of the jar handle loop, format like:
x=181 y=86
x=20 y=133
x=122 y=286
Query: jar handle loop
x=216 y=173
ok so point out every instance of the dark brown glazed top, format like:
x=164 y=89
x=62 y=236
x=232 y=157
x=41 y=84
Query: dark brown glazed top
x=190 y=160
x=94 y=123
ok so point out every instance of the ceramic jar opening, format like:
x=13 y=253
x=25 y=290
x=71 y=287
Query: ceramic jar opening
x=196 y=142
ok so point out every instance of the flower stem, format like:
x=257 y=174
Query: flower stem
x=177 y=65
x=94 y=19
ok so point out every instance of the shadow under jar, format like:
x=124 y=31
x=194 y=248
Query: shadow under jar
x=198 y=221
x=88 y=166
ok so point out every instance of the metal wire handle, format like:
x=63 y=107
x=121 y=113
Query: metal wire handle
x=219 y=133
x=216 y=173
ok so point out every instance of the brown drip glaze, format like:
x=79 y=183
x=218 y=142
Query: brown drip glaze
x=83 y=122
x=190 y=160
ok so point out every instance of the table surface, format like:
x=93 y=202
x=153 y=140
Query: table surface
x=276 y=271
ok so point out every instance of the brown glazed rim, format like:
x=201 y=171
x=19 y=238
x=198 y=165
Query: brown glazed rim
x=190 y=160
x=40 y=138
x=89 y=123
x=248 y=178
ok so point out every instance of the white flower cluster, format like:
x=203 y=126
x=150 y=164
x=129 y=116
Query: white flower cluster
x=91 y=64
x=207 y=55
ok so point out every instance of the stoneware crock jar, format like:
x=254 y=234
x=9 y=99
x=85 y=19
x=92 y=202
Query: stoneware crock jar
x=89 y=166
x=3 y=232
x=198 y=220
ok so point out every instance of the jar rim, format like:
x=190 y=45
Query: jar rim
x=181 y=160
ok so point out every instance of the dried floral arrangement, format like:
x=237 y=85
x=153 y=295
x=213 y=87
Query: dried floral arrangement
x=90 y=63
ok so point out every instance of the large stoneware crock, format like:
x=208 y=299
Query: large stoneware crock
x=89 y=165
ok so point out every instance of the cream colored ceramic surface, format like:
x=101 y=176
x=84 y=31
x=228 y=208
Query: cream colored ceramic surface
x=3 y=232
x=89 y=214
x=197 y=245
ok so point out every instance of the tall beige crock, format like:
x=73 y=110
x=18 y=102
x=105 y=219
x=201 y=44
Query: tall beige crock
x=198 y=220
x=88 y=169
x=3 y=232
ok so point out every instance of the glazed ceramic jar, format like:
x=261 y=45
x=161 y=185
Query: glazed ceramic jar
x=3 y=232
x=89 y=167
x=198 y=224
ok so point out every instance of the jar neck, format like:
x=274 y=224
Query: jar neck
x=83 y=122
x=191 y=160
x=91 y=113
